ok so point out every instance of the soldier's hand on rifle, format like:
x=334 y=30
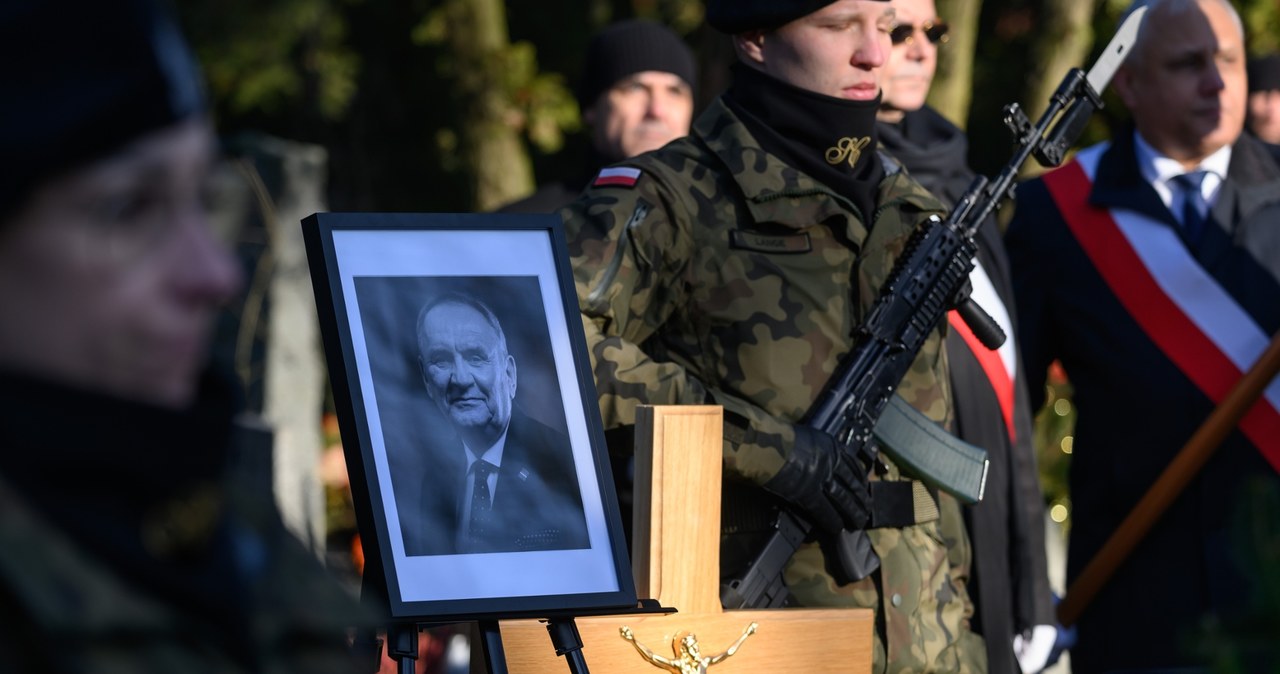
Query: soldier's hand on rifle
x=823 y=483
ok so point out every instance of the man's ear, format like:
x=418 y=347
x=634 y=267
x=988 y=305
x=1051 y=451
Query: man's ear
x=511 y=374
x=1124 y=86
x=422 y=372
x=750 y=46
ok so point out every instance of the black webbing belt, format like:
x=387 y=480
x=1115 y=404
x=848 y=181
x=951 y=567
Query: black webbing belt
x=902 y=504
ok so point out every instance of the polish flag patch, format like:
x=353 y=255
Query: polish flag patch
x=620 y=176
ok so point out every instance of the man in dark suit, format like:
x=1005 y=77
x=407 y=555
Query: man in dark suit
x=1009 y=583
x=505 y=482
x=1150 y=267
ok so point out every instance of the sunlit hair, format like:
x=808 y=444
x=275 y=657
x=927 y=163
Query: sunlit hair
x=465 y=300
x=1173 y=8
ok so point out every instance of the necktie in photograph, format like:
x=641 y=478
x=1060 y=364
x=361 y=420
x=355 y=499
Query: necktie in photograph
x=1194 y=208
x=481 y=503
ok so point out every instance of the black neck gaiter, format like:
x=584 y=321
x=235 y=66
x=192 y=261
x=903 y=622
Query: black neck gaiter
x=138 y=487
x=830 y=139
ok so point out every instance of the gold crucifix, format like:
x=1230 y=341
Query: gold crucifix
x=688 y=654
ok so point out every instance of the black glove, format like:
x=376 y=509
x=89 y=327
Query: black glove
x=825 y=485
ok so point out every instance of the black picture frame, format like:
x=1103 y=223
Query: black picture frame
x=372 y=274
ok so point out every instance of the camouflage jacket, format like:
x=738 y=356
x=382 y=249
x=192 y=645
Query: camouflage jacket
x=723 y=275
x=223 y=586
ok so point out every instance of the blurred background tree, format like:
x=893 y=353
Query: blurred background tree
x=456 y=105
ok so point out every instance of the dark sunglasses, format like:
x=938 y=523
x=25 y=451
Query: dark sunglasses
x=935 y=31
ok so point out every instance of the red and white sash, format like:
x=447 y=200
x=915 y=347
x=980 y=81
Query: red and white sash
x=999 y=365
x=1195 y=322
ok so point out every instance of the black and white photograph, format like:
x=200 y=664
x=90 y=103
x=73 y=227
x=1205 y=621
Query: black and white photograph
x=470 y=425
x=473 y=421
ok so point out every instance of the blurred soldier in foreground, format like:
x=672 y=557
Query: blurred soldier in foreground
x=636 y=95
x=124 y=549
x=1150 y=266
x=1010 y=583
x=734 y=266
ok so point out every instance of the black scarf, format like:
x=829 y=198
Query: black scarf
x=933 y=150
x=138 y=487
x=814 y=133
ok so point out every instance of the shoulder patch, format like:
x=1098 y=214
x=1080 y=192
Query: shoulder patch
x=619 y=176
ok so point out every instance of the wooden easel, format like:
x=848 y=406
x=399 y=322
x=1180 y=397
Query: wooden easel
x=676 y=551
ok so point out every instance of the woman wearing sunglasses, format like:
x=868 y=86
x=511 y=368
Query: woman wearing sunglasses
x=1010 y=583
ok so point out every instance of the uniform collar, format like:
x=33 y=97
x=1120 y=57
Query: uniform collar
x=776 y=192
x=1159 y=170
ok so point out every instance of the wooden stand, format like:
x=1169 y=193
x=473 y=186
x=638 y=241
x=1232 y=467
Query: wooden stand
x=676 y=561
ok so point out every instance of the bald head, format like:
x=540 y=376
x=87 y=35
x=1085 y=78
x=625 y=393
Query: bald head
x=1174 y=9
x=1184 y=81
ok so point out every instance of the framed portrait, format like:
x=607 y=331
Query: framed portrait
x=468 y=414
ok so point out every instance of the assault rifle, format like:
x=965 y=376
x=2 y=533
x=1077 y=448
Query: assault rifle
x=930 y=278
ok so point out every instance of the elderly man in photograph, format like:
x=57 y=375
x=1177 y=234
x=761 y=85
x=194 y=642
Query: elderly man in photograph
x=504 y=482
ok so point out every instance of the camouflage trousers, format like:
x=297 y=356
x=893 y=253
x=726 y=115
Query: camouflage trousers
x=921 y=603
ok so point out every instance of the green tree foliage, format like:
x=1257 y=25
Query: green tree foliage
x=1054 y=443
x=264 y=56
x=350 y=73
x=1262 y=24
x=482 y=68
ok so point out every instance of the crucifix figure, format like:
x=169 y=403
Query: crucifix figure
x=688 y=654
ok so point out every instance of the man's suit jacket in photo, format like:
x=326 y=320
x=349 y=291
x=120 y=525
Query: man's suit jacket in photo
x=536 y=501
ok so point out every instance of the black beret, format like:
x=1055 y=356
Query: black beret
x=1264 y=73
x=81 y=79
x=629 y=47
x=740 y=16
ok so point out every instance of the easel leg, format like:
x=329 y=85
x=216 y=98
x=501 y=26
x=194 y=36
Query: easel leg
x=493 y=653
x=402 y=646
x=565 y=637
x=366 y=650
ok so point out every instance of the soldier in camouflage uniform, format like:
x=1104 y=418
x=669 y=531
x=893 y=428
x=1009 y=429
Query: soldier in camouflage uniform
x=733 y=267
x=125 y=548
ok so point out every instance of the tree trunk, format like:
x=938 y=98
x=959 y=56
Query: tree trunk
x=490 y=145
x=1063 y=42
x=953 y=85
x=294 y=381
x=274 y=337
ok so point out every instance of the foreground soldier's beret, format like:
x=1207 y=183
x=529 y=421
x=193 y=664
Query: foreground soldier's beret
x=83 y=78
x=739 y=16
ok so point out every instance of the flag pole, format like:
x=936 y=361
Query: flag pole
x=1185 y=465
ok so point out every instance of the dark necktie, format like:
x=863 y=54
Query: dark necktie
x=481 y=503
x=1194 y=208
